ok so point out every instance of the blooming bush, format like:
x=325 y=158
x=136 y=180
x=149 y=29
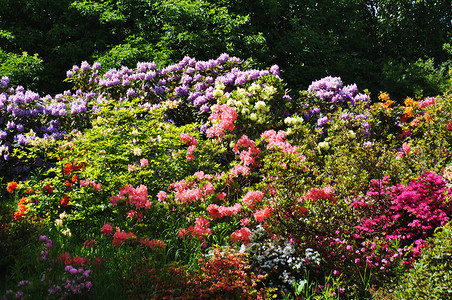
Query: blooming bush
x=152 y=173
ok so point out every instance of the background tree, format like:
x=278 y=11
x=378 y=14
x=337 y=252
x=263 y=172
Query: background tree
x=383 y=45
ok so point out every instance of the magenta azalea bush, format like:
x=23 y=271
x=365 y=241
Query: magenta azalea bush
x=205 y=179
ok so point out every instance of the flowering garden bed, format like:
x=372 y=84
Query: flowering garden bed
x=205 y=179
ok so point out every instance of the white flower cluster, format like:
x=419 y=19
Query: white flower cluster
x=280 y=259
x=294 y=123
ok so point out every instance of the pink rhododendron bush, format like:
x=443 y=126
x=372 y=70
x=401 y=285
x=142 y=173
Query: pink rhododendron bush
x=209 y=180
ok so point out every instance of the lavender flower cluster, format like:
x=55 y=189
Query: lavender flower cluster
x=329 y=94
x=187 y=85
x=332 y=90
x=25 y=118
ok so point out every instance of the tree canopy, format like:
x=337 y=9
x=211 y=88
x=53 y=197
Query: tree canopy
x=397 y=46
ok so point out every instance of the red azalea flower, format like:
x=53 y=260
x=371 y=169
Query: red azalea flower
x=67 y=169
x=449 y=126
x=68 y=185
x=48 y=189
x=65 y=200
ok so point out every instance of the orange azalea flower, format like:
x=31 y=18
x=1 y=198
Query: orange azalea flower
x=428 y=118
x=388 y=103
x=410 y=102
x=74 y=178
x=384 y=96
x=408 y=111
x=21 y=209
x=11 y=186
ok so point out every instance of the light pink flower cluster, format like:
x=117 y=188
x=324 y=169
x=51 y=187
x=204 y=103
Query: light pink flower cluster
x=262 y=214
x=217 y=211
x=276 y=140
x=318 y=194
x=249 y=153
x=200 y=175
x=185 y=191
x=191 y=142
x=133 y=167
x=252 y=197
x=241 y=235
x=190 y=191
x=91 y=183
x=188 y=195
x=136 y=196
x=223 y=116
x=162 y=196
x=427 y=102
x=200 y=230
x=404 y=151
x=239 y=169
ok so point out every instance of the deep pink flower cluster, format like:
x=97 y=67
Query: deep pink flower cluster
x=249 y=153
x=262 y=214
x=321 y=194
x=190 y=191
x=107 y=229
x=217 y=211
x=120 y=237
x=426 y=102
x=136 y=196
x=223 y=118
x=408 y=213
x=153 y=244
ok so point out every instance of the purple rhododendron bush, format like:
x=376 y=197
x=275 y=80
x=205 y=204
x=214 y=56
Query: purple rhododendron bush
x=210 y=180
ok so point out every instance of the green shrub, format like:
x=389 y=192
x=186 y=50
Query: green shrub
x=431 y=276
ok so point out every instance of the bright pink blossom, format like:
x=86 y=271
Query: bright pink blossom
x=318 y=194
x=188 y=139
x=216 y=211
x=406 y=148
x=449 y=126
